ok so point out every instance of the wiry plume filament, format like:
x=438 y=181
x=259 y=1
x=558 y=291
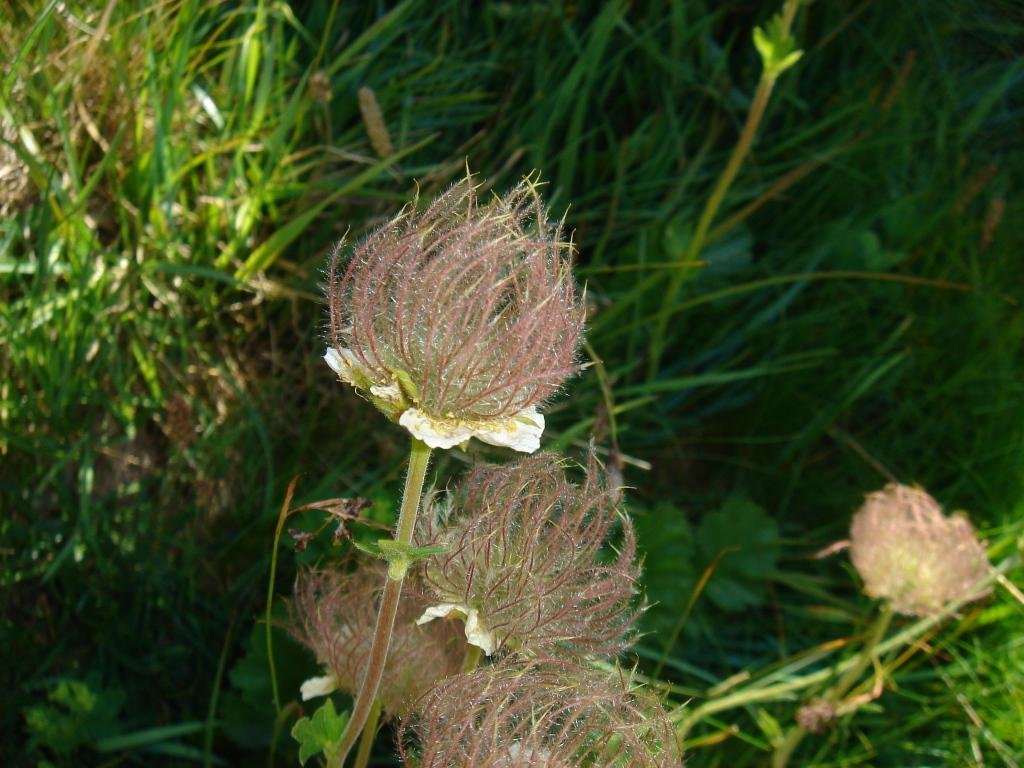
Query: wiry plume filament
x=545 y=713
x=523 y=552
x=334 y=613
x=474 y=303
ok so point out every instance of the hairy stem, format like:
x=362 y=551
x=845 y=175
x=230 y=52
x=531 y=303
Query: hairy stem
x=369 y=733
x=834 y=694
x=725 y=180
x=419 y=457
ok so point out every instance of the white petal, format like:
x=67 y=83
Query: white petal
x=441 y=611
x=391 y=393
x=521 y=433
x=475 y=632
x=333 y=359
x=477 y=635
x=436 y=433
x=345 y=363
x=318 y=686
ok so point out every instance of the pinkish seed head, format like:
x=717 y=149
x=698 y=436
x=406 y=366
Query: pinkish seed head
x=540 y=714
x=464 y=310
x=523 y=560
x=334 y=614
x=908 y=552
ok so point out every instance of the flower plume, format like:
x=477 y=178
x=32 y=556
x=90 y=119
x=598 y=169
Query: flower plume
x=523 y=562
x=461 y=319
x=908 y=552
x=543 y=714
x=334 y=614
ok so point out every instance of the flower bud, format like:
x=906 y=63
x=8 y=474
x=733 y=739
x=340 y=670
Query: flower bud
x=523 y=562
x=460 y=320
x=540 y=714
x=908 y=552
x=334 y=614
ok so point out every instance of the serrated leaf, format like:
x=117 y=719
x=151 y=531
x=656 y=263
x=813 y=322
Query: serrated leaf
x=77 y=713
x=743 y=542
x=670 y=574
x=248 y=702
x=319 y=733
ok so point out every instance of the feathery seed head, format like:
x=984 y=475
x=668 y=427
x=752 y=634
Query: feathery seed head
x=540 y=714
x=908 y=552
x=334 y=614
x=459 y=320
x=523 y=560
x=816 y=716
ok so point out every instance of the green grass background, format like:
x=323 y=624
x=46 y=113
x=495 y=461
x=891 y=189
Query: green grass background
x=173 y=174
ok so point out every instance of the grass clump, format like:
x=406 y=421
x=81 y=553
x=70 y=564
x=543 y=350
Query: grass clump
x=173 y=175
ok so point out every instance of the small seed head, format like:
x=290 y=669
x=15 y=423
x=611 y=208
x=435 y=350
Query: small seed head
x=540 y=714
x=523 y=559
x=816 y=716
x=334 y=614
x=908 y=552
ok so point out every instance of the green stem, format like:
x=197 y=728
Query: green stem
x=267 y=627
x=369 y=733
x=472 y=658
x=834 y=694
x=419 y=457
x=725 y=180
x=763 y=690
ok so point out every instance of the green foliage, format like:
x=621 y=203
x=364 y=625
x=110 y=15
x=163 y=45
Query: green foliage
x=740 y=542
x=170 y=183
x=670 y=571
x=776 y=47
x=248 y=708
x=728 y=559
x=399 y=556
x=319 y=733
x=76 y=715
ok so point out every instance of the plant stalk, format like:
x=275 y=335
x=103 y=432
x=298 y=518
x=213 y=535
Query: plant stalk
x=758 y=691
x=864 y=659
x=268 y=636
x=739 y=153
x=369 y=734
x=471 y=659
x=419 y=457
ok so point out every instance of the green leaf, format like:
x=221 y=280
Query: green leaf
x=319 y=733
x=776 y=46
x=247 y=706
x=399 y=556
x=407 y=385
x=742 y=541
x=77 y=714
x=769 y=726
x=666 y=539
